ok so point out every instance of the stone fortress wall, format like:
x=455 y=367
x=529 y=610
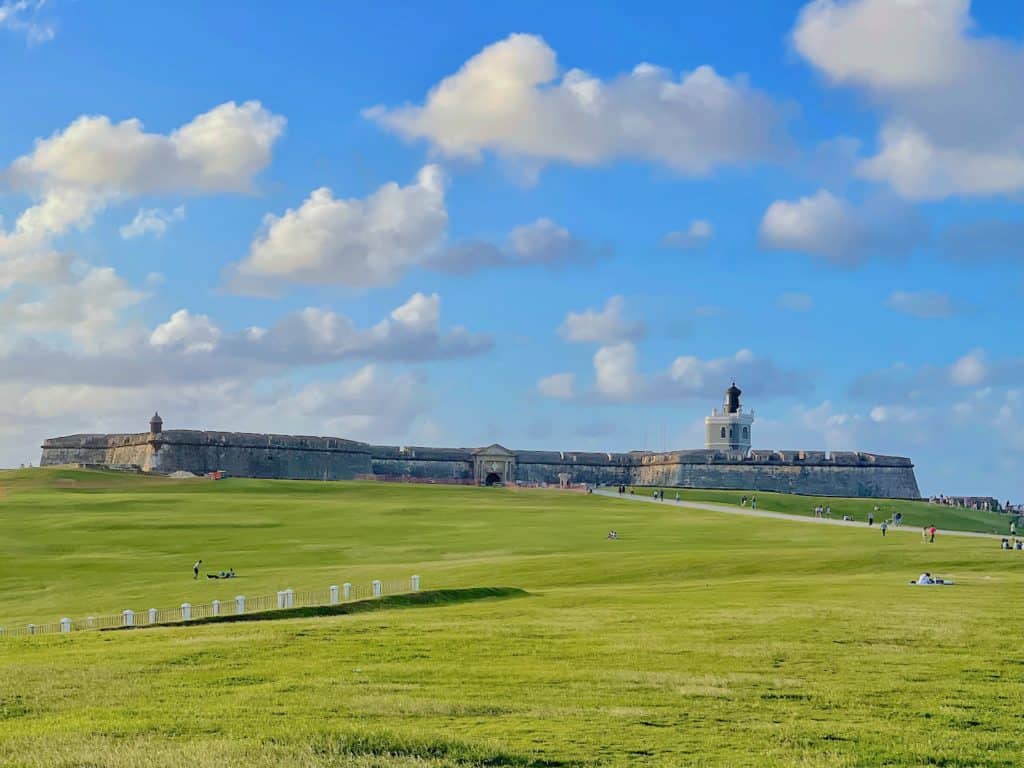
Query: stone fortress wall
x=330 y=458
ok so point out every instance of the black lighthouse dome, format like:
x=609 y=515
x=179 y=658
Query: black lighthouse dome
x=732 y=399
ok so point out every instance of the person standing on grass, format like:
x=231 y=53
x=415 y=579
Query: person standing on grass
x=195 y=568
x=883 y=527
x=871 y=518
x=753 y=502
x=931 y=535
x=1013 y=528
x=924 y=534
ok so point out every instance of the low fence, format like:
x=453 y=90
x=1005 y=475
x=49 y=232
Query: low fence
x=241 y=604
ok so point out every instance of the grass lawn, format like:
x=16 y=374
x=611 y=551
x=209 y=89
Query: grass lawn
x=696 y=639
x=916 y=514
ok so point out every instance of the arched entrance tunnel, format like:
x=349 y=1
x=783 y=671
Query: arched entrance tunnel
x=492 y=479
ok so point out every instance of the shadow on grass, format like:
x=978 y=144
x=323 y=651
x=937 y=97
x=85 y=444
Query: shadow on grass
x=411 y=600
x=390 y=745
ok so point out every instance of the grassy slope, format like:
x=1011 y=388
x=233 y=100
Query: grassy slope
x=696 y=639
x=915 y=513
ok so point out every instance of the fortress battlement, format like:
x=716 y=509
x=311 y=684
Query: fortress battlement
x=721 y=464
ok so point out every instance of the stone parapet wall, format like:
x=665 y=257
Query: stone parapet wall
x=895 y=482
x=245 y=454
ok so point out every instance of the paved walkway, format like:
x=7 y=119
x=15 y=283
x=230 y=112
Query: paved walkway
x=734 y=510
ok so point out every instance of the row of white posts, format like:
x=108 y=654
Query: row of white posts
x=285 y=599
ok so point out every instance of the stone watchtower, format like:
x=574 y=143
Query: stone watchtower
x=729 y=429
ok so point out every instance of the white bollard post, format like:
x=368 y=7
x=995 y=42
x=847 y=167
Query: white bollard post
x=280 y=599
x=152 y=615
x=186 y=611
x=65 y=624
x=289 y=598
x=415 y=583
x=240 y=604
x=129 y=617
x=378 y=588
x=216 y=607
x=334 y=594
x=346 y=591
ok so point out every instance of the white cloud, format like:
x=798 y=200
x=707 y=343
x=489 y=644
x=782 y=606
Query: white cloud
x=24 y=16
x=374 y=241
x=607 y=326
x=540 y=243
x=922 y=304
x=353 y=242
x=508 y=99
x=75 y=173
x=560 y=386
x=615 y=374
x=695 y=236
x=953 y=99
x=312 y=335
x=88 y=310
x=192 y=333
x=617 y=377
x=970 y=370
x=833 y=229
x=153 y=221
x=218 y=151
x=793 y=301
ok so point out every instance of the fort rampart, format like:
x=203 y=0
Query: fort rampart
x=329 y=458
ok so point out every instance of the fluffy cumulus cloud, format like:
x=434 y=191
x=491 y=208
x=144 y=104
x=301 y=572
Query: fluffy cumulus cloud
x=190 y=333
x=926 y=305
x=152 y=221
x=26 y=17
x=412 y=332
x=353 y=242
x=510 y=99
x=617 y=377
x=936 y=383
x=75 y=173
x=542 y=243
x=558 y=386
x=835 y=230
x=697 y=235
x=374 y=241
x=953 y=99
x=606 y=326
x=87 y=310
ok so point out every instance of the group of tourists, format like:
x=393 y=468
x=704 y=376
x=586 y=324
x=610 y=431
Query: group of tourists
x=928 y=534
x=823 y=511
x=752 y=500
x=1016 y=544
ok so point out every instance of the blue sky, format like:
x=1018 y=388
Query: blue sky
x=458 y=224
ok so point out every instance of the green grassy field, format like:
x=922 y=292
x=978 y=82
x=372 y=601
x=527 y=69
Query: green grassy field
x=916 y=514
x=698 y=638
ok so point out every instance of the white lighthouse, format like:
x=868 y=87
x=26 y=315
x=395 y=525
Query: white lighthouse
x=729 y=429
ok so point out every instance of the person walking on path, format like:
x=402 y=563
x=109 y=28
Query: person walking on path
x=871 y=519
x=195 y=569
x=883 y=527
x=931 y=535
x=753 y=502
x=1013 y=528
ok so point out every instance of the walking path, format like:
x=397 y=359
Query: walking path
x=732 y=510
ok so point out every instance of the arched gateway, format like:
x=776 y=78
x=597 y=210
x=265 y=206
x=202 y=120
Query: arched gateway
x=493 y=465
